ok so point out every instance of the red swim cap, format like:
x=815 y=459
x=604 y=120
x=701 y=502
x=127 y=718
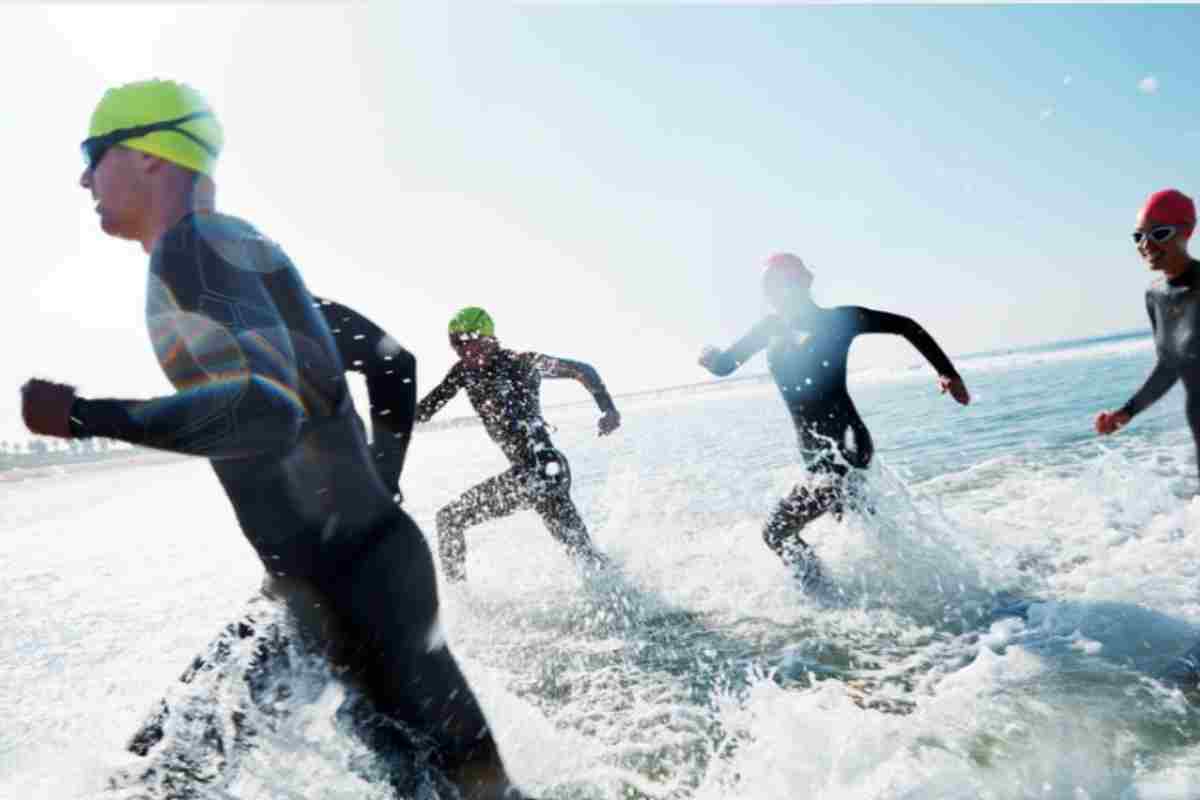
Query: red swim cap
x=785 y=267
x=1170 y=207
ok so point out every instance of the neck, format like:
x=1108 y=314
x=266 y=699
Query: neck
x=179 y=193
x=800 y=308
x=1178 y=270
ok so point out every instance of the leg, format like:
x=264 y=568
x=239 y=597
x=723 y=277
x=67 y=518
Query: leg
x=1193 y=418
x=388 y=602
x=794 y=512
x=550 y=487
x=494 y=498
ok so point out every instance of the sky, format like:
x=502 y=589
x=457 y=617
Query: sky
x=607 y=180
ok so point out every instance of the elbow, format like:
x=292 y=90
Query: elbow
x=391 y=356
x=912 y=329
x=721 y=366
x=274 y=415
x=404 y=362
x=590 y=378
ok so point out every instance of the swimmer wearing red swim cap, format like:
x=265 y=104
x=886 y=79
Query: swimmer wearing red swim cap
x=807 y=351
x=1164 y=225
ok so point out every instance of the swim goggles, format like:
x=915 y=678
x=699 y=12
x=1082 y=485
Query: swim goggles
x=1159 y=233
x=94 y=147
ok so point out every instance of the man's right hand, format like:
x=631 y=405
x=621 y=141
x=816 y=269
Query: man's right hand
x=1111 y=421
x=46 y=407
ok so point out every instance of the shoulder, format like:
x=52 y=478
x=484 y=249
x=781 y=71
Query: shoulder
x=868 y=317
x=851 y=312
x=196 y=229
x=837 y=318
x=524 y=358
x=343 y=315
x=327 y=307
x=221 y=237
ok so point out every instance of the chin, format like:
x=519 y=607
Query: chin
x=116 y=229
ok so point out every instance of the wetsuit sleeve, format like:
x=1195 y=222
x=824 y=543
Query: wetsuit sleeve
x=866 y=320
x=586 y=374
x=741 y=351
x=442 y=393
x=222 y=343
x=391 y=375
x=1160 y=380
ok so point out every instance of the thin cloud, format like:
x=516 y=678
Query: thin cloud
x=1148 y=85
x=1046 y=114
x=1067 y=80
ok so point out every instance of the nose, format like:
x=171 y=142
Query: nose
x=85 y=178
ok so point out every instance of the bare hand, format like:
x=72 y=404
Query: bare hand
x=609 y=422
x=1111 y=421
x=46 y=407
x=956 y=388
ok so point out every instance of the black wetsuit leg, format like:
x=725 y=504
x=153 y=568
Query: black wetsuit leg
x=379 y=611
x=552 y=501
x=803 y=505
x=494 y=498
x=1193 y=418
x=543 y=485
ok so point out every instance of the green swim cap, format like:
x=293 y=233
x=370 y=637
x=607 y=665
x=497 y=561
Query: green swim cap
x=473 y=319
x=148 y=102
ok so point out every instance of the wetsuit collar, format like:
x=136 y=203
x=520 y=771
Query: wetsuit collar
x=1188 y=277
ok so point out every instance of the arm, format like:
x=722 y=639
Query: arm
x=1157 y=384
x=587 y=375
x=442 y=393
x=724 y=362
x=391 y=375
x=228 y=354
x=868 y=320
x=871 y=321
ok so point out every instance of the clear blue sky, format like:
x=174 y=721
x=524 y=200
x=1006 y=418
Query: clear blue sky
x=607 y=180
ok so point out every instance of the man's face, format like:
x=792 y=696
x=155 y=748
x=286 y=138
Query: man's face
x=120 y=192
x=788 y=290
x=472 y=349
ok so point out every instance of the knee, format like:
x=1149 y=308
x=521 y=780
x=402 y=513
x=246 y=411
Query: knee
x=404 y=362
x=772 y=534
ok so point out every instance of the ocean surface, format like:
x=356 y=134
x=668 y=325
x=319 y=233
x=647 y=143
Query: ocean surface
x=697 y=668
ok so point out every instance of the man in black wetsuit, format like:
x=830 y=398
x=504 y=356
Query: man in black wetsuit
x=1164 y=226
x=807 y=347
x=391 y=376
x=504 y=387
x=260 y=392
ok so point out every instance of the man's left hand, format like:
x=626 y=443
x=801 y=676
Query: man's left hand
x=46 y=407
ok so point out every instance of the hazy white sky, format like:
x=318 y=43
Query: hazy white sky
x=607 y=180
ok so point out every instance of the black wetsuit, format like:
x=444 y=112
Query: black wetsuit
x=391 y=376
x=807 y=356
x=1174 y=309
x=506 y=395
x=260 y=391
